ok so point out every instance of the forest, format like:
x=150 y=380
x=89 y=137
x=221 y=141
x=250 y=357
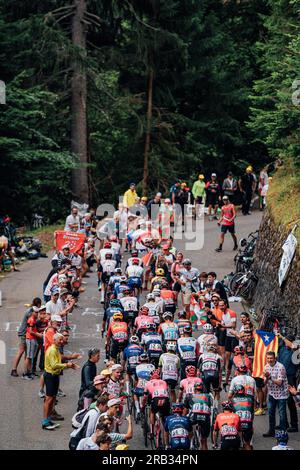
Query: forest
x=101 y=93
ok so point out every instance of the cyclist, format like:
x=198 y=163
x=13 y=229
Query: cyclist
x=159 y=301
x=117 y=336
x=207 y=337
x=182 y=322
x=155 y=308
x=282 y=440
x=238 y=359
x=156 y=394
x=158 y=279
x=210 y=367
x=116 y=249
x=130 y=306
x=134 y=256
x=188 y=350
x=135 y=274
x=168 y=329
x=168 y=297
x=198 y=408
x=243 y=405
x=178 y=429
x=243 y=378
x=115 y=306
x=105 y=270
x=120 y=287
x=131 y=356
x=141 y=322
x=106 y=249
x=142 y=376
x=228 y=424
x=152 y=341
x=187 y=385
x=169 y=366
x=115 y=279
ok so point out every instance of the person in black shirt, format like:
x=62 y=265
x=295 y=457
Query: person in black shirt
x=247 y=185
x=88 y=373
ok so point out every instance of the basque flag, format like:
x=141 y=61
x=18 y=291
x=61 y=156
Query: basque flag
x=265 y=341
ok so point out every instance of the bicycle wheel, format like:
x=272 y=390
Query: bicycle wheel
x=235 y=282
x=145 y=426
x=196 y=438
x=213 y=418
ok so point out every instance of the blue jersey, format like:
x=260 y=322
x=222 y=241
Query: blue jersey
x=131 y=355
x=153 y=344
x=178 y=428
x=119 y=289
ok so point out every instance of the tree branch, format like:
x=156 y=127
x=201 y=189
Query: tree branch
x=139 y=19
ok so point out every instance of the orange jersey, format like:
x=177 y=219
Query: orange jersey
x=168 y=295
x=228 y=424
x=118 y=331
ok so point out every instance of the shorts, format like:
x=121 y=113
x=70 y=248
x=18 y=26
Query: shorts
x=200 y=419
x=211 y=381
x=170 y=308
x=171 y=383
x=139 y=392
x=198 y=200
x=22 y=341
x=228 y=228
x=105 y=278
x=161 y=405
x=259 y=382
x=180 y=444
x=187 y=298
x=204 y=428
x=212 y=199
x=230 y=443
x=221 y=335
x=130 y=316
x=231 y=343
x=134 y=282
x=31 y=348
x=247 y=434
x=51 y=384
x=116 y=347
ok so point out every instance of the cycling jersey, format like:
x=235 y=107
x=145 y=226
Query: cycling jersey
x=131 y=355
x=114 y=280
x=169 y=331
x=204 y=339
x=210 y=363
x=108 y=314
x=118 y=331
x=178 y=428
x=169 y=298
x=170 y=365
x=187 y=349
x=199 y=405
x=181 y=323
x=130 y=262
x=228 y=424
x=237 y=361
x=155 y=310
x=114 y=388
x=134 y=271
x=244 y=408
x=141 y=322
x=187 y=385
x=129 y=304
x=103 y=252
x=156 y=388
x=108 y=266
x=119 y=289
x=143 y=373
x=248 y=383
x=153 y=344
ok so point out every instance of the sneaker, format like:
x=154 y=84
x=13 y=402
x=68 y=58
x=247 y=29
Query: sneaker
x=259 y=412
x=235 y=248
x=27 y=377
x=218 y=249
x=49 y=426
x=42 y=394
x=56 y=425
x=14 y=373
x=56 y=417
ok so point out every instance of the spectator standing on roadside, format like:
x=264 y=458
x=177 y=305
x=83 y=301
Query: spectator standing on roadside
x=230 y=187
x=88 y=373
x=73 y=221
x=227 y=223
x=213 y=198
x=130 y=196
x=247 y=184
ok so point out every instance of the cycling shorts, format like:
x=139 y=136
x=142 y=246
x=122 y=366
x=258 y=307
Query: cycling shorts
x=134 y=282
x=172 y=383
x=116 y=347
x=139 y=392
x=130 y=316
x=248 y=434
x=230 y=443
x=161 y=405
x=180 y=444
x=211 y=380
x=170 y=308
x=199 y=418
x=204 y=427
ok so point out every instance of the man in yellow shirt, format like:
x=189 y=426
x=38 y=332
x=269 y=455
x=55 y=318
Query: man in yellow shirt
x=130 y=196
x=53 y=368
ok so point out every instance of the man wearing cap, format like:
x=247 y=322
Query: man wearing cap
x=115 y=385
x=213 y=192
x=198 y=190
x=247 y=184
x=227 y=223
x=130 y=196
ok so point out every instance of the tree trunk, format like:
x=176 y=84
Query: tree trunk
x=80 y=187
x=148 y=133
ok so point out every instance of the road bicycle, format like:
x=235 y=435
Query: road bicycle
x=214 y=410
x=145 y=424
x=243 y=284
x=157 y=441
x=37 y=221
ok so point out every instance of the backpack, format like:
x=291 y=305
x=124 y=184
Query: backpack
x=75 y=439
x=79 y=417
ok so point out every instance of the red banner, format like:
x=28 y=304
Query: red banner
x=73 y=239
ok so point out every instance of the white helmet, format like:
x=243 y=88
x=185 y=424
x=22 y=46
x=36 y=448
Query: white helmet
x=207 y=328
x=171 y=347
x=134 y=340
x=156 y=292
x=150 y=296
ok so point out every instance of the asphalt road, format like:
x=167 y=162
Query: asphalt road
x=21 y=409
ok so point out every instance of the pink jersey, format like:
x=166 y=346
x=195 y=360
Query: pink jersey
x=187 y=385
x=157 y=388
x=142 y=321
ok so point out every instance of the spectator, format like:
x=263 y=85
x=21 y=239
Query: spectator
x=213 y=192
x=230 y=187
x=154 y=206
x=88 y=373
x=73 y=221
x=247 y=184
x=31 y=344
x=276 y=380
x=130 y=196
x=198 y=190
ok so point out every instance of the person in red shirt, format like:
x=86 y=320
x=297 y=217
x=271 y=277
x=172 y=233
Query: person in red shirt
x=228 y=424
x=31 y=344
x=117 y=336
x=227 y=223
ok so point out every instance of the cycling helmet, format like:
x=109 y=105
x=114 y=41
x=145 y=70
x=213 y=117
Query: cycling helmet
x=187 y=329
x=239 y=389
x=108 y=255
x=182 y=314
x=118 y=316
x=122 y=447
x=134 y=340
x=171 y=347
x=118 y=271
x=144 y=310
x=123 y=279
x=150 y=296
x=187 y=262
x=242 y=368
x=164 y=285
x=167 y=315
x=135 y=261
x=227 y=405
x=211 y=347
x=198 y=386
x=151 y=326
x=156 y=292
x=238 y=350
x=107 y=245
x=144 y=357
x=127 y=290
x=155 y=374
x=190 y=371
x=177 y=408
x=281 y=436
x=115 y=303
x=207 y=328
x=160 y=272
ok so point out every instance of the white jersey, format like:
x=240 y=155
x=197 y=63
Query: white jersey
x=170 y=364
x=204 y=339
x=154 y=311
x=134 y=271
x=103 y=252
x=187 y=348
x=115 y=248
x=129 y=304
x=247 y=381
x=130 y=262
x=108 y=266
